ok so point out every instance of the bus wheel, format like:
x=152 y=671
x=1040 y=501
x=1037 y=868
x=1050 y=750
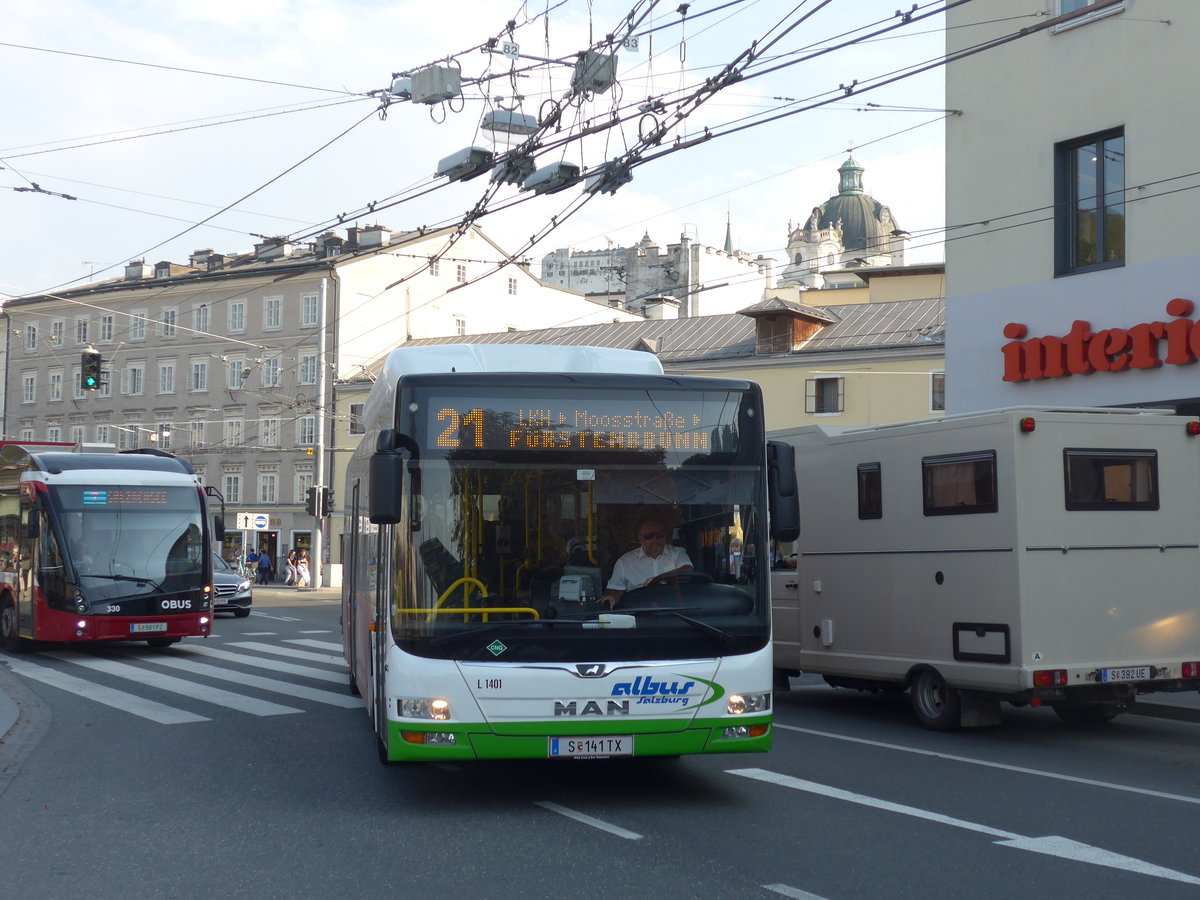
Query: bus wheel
x=381 y=742
x=936 y=705
x=8 y=627
x=159 y=643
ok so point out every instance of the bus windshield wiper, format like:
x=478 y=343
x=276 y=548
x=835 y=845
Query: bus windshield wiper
x=678 y=613
x=140 y=580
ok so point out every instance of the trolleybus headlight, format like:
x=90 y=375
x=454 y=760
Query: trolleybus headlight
x=739 y=704
x=81 y=604
x=423 y=708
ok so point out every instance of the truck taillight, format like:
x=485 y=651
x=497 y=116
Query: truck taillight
x=1191 y=670
x=1050 y=678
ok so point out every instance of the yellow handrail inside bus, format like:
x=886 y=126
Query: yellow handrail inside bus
x=485 y=611
x=465 y=582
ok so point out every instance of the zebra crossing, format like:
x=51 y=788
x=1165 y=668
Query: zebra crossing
x=198 y=676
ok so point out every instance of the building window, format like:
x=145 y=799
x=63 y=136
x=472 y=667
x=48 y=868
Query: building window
x=29 y=387
x=306 y=431
x=106 y=329
x=196 y=433
x=103 y=434
x=272 y=319
x=233 y=432
x=512 y=286
x=233 y=375
x=54 y=434
x=166 y=377
x=268 y=432
x=1081 y=11
x=31 y=337
x=460 y=272
x=270 y=372
x=937 y=391
x=268 y=486
x=357 y=425
x=308 y=368
x=81 y=331
x=27 y=434
x=435 y=267
x=162 y=435
x=56 y=378
x=233 y=487
x=460 y=325
x=133 y=382
x=56 y=332
x=167 y=322
x=200 y=320
x=237 y=316
x=1089 y=218
x=105 y=383
x=824 y=396
x=137 y=327
x=127 y=436
x=198 y=380
x=310 y=305
x=304 y=480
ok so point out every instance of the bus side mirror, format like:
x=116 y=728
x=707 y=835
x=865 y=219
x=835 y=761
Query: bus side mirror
x=387 y=481
x=219 y=528
x=783 y=503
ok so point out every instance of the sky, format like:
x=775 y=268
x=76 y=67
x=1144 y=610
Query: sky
x=177 y=126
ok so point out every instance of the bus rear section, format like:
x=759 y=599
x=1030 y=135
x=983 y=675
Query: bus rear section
x=102 y=547
x=473 y=619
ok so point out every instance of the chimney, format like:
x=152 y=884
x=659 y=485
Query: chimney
x=273 y=248
x=199 y=258
x=373 y=236
x=329 y=244
x=136 y=270
x=662 y=308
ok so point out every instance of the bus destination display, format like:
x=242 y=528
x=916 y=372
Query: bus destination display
x=124 y=497
x=681 y=427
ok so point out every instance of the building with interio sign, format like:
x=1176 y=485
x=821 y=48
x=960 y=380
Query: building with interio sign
x=1072 y=267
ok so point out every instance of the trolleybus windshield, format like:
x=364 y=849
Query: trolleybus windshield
x=131 y=539
x=524 y=504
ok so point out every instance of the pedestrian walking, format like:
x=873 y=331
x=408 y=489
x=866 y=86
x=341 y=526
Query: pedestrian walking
x=302 y=574
x=290 y=565
x=265 y=569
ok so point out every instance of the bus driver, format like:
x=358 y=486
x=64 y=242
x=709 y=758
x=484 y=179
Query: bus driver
x=640 y=566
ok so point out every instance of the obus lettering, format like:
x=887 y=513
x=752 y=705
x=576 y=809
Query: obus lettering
x=177 y=604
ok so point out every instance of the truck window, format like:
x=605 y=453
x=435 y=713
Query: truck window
x=1110 y=479
x=959 y=483
x=870 y=491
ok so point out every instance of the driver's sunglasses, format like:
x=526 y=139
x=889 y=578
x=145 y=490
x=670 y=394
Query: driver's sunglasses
x=651 y=535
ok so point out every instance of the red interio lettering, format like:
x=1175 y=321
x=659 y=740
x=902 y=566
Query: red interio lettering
x=1082 y=351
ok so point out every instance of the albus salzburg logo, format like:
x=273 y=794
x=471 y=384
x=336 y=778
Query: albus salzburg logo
x=647 y=691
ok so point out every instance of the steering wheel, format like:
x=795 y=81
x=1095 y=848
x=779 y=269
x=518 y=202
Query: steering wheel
x=680 y=578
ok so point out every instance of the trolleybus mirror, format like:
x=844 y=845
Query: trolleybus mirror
x=387 y=481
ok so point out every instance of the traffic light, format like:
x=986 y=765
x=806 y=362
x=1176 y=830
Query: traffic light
x=90 y=367
x=310 y=504
x=326 y=501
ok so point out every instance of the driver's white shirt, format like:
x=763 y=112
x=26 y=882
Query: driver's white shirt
x=635 y=568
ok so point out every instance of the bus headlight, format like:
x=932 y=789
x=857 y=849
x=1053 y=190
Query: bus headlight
x=422 y=708
x=740 y=704
x=81 y=604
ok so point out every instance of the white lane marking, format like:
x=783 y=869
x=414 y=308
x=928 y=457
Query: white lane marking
x=259 y=633
x=175 y=685
x=300 y=691
x=290 y=652
x=1145 y=792
x=316 y=645
x=316 y=631
x=274 y=665
x=589 y=820
x=794 y=893
x=89 y=690
x=1051 y=845
x=263 y=615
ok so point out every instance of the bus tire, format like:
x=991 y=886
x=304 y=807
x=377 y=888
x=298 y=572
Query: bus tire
x=936 y=705
x=381 y=742
x=241 y=612
x=9 y=633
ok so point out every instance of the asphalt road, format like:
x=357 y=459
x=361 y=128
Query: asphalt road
x=240 y=767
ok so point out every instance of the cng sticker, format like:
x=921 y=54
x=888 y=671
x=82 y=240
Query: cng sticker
x=496 y=647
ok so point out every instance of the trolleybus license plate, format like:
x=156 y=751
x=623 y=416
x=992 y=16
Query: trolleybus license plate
x=606 y=745
x=147 y=627
x=1127 y=673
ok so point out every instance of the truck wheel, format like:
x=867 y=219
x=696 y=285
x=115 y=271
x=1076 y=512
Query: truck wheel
x=936 y=705
x=1086 y=714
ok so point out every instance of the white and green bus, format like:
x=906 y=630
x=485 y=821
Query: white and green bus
x=492 y=494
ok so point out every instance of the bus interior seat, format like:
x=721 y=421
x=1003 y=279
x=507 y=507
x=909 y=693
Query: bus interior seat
x=440 y=565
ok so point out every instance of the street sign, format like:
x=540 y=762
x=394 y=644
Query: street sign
x=252 y=522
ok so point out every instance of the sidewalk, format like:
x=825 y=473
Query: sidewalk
x=282 y=591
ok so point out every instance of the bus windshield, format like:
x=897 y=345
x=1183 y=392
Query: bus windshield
x=123 y=540
x=523 y=508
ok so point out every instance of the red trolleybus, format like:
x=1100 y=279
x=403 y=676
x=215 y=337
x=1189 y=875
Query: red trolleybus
x=494 y=491
x=102 y=546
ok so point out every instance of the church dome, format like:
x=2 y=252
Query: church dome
x=866 y=224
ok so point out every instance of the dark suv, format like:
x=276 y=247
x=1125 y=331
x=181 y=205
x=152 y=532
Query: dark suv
x=231 y=589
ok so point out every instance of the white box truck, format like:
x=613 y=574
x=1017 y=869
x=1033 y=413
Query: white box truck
x=1034 y=556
